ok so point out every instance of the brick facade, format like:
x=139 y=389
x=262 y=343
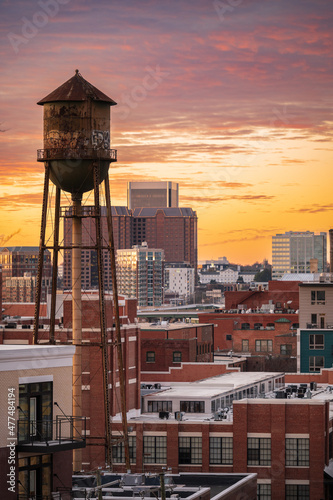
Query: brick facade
x=279 y=293
x=175 y=345
x=230 y=329
x=273 y=420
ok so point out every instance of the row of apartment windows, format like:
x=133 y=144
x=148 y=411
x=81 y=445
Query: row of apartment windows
x=266 y=346
x=186 y=406
x=292 y=492
x=176 y=357
x=220 y=451
x=259 y=326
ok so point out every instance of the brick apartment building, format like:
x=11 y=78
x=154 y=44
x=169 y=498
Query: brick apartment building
x=166 y=346
x=253 y=333
x=286 y=442
x=280 y=295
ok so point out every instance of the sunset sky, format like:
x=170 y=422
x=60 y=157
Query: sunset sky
x=230 y=98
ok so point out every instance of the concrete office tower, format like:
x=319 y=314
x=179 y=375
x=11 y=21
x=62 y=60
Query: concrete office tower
x=140 y=274
x=152 y=194
x=292 y=252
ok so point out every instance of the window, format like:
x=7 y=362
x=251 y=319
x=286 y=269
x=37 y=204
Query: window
x=316 y=363
x=245 y=326
x=150 y=357
x=257 y=326
x=264 y=345
x=263 y=491
x=297 y=452
x=314 y=319
x=259 y=451
x=297 y=492
x=192 y=406
x=220 y=450
x=318 y=297
x=285 y=349
x=177 y=357
x=245 y=345
x=190 y=450
x=156 y=406
x=155 y=449
x=35 y=476
x=35 y=413
x=228 y=337
x=316 y=341
x=118 y=451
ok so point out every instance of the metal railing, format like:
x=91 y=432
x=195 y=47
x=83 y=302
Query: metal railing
x=76 y=154
x=44 y=431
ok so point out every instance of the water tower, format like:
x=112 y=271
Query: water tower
x=77 y=157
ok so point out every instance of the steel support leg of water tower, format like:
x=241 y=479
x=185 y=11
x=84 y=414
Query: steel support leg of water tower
x=117 y=322
x=55 y=264
x=77 y=326
x=41 y=252
x=104 y=337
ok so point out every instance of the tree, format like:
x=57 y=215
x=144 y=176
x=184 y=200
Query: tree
x=265 y=275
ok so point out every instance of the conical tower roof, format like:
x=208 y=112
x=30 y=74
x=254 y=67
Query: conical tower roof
x=76 y=89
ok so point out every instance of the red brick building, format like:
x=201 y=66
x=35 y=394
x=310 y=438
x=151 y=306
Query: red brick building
x=282 y=295
x=166 y=346
x=253 y=333
x=173 y=229
x=286 y=442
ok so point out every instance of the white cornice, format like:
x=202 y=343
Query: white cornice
x=24 y=357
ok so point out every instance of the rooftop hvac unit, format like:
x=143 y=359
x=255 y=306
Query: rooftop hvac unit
x=157 y=386
x=179 y=415
x=133 y=479
x=164 y=414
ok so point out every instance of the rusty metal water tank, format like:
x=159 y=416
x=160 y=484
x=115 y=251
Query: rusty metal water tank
x=76 y=134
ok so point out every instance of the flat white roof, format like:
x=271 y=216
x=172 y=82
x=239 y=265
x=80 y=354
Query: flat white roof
x=214 y=386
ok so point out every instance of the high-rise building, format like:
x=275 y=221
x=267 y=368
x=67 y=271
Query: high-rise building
x=172 y=229
x=160 y=194
x=122 y=222
x=140 y=274
x=293 y=251
x=17 y=262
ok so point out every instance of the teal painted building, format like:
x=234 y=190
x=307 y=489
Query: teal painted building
x=315 y=350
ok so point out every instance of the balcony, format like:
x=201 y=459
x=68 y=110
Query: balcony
x=76 y=154
x=48 y=436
